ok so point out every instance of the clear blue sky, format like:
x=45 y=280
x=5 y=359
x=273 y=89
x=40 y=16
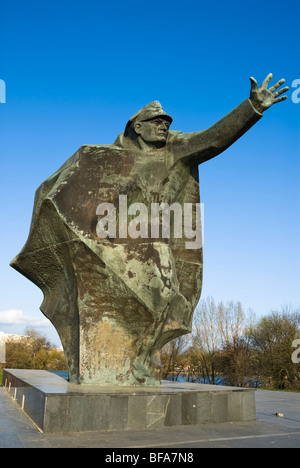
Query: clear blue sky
x=76 y=71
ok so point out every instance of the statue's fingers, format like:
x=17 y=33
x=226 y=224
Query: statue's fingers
x=253 y=83
x=281 y=91
x=277 y=85
x=267 y=80
x=283 y=98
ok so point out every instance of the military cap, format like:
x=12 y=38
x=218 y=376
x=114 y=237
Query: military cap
x=149 y=112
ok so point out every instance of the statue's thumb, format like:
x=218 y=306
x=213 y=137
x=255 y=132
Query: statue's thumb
x=253 y=83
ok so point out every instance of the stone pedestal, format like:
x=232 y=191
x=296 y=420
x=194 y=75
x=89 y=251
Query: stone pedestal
x=55 y=405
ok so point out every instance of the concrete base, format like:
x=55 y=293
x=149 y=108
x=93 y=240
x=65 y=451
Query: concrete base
x=55 y=405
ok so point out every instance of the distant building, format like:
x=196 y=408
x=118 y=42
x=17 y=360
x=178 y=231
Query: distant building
x=4 y=338
x=2 y=350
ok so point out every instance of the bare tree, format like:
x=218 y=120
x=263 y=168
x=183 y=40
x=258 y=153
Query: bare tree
x=232 y=321
x=207 y=338
x=173 y=357
x=217 y=329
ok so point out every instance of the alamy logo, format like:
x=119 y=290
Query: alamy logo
x=2 y=92
x=296 y=354
x=296 y=93
x=136 y=221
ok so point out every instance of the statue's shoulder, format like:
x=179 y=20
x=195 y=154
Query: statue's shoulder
x=82 y=155
x=93 y=149
x=173 y=136
x=173 y=133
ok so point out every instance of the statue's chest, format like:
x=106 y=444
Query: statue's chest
x=150 y=172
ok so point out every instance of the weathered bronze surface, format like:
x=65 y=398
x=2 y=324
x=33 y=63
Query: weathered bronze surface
x=116 y=301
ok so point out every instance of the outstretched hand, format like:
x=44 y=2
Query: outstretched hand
x=262 y=98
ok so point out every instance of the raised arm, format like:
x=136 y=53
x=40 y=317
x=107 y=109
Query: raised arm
x=199 y=147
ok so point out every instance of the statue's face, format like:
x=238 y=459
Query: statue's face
x=153 y=132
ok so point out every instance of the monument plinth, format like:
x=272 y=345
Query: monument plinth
x=56 y=405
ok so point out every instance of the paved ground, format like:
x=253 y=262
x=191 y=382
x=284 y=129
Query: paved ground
x=269 y=431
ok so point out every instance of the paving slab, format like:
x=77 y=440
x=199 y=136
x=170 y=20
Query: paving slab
x=16 y=429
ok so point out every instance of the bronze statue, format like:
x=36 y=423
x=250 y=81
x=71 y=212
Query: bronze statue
x=116 y=299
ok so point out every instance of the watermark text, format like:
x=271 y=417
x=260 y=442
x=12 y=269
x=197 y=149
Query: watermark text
x=296 y=353
x=161 y=220
x=2 y=92
x=296 y=93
